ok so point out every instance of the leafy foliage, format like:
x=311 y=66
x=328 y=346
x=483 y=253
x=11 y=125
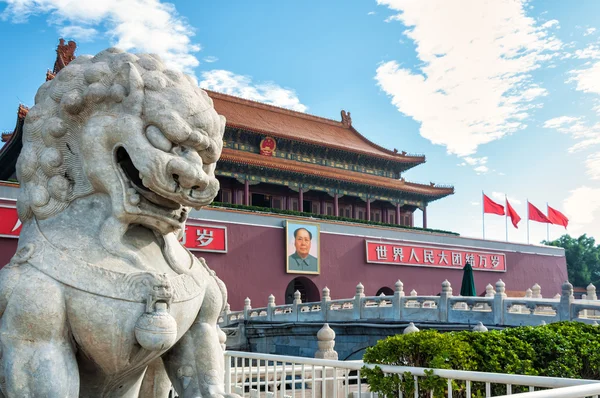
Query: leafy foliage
x=583 y=258
x=324 y=217
x=563 y=349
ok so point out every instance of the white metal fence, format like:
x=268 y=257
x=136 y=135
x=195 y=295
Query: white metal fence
x=256 y=375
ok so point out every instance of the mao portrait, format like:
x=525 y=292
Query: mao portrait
x=303 y=245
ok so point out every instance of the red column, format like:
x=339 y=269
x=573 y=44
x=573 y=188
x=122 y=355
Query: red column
x=247 y=192
x=336 y=208
x=424 y=216
x=368 y=209
x=398 y=214
x=300 y=200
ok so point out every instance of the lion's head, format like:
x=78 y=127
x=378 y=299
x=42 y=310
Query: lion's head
x=122 y=125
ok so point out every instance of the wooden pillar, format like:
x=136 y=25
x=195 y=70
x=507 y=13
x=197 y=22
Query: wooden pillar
x=353 y=211
x=398 y=214
x=368 y=209
x=322 y=209
x=336 y=207
x=286 y=202
x=247 y=192
x=300 y=200
x=424 y=216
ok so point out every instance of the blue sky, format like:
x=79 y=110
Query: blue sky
x=501 y=96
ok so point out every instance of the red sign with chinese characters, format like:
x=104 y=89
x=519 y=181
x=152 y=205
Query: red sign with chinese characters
x=429 y=256
x=206 y=238
x=10 y=225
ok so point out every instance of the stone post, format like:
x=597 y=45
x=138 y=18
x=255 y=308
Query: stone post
x=247 y=308
x=413 y=293
x=536 y=291
x=584 y=313
x=591 y=295
x=297 y=297
x=489 y=290
x=397 y=300
x=296 y=304
x=499 y=302
x=360 y=293
x=270 y=307
x=591 y=292
x=564 y=306
x=528 y=293
x=480 y=327
x=325 y=298
x=444 y=302
x=411 y=328
x=326 y=343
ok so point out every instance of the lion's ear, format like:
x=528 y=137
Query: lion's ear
x=134 y=84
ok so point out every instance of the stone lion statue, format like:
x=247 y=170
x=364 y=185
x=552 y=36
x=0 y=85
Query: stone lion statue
x=116 y=151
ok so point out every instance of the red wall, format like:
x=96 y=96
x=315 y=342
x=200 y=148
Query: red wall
x=254 y=267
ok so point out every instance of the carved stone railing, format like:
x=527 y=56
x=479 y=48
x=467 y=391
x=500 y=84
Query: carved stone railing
x=493 y=309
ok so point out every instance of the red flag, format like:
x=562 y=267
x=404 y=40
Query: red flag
x=489 y=206
x=556 y=217
x=514 y=217
x=536 y=215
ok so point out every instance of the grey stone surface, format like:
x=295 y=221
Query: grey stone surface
x=117 y=150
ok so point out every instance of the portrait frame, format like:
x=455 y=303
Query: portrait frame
x=292 y=264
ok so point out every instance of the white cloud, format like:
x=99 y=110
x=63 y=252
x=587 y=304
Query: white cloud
x=474 y=84
x=590 y=52
x=481 y=169
x=141 y=25
x=582 y=207
x=588 y=80
x=371 y=13
x=471 y=161
x=589 y=31
x=592 y=163
x=551 y=23
x=242 y=86
x=586 y=135
x=78 y=33
x=210 y=59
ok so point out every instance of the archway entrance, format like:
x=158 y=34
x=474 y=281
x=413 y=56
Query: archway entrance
x=308 y=290
x=386 y=291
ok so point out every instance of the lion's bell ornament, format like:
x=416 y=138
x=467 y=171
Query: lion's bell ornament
x=156 y=331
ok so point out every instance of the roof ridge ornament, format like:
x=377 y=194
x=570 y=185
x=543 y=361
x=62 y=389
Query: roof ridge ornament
x=65 y=53
x=346 y=119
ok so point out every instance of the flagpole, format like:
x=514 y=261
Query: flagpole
x=506 y=215
x=547 y=225
x=527 y=220
x=483 y=215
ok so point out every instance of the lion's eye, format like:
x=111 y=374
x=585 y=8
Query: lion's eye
x=158 y=139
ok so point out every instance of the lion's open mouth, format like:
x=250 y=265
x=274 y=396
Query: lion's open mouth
x=133 y=174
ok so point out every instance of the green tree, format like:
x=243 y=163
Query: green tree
x=583 y=258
